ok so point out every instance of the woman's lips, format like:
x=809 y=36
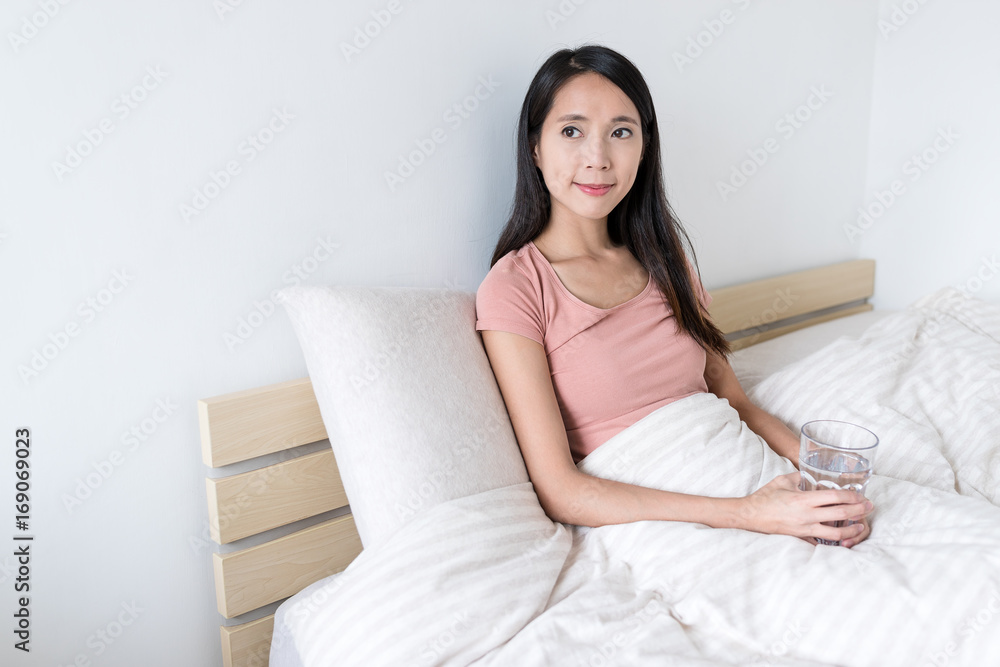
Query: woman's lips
x=593 y=189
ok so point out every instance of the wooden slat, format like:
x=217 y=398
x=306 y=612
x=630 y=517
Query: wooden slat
x=254 y=577
x=240 y=426
x=249 y=644
x=276 y=495
x=760 y=337
x=773 y=299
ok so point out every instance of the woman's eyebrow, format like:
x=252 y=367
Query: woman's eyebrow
x=616 y=119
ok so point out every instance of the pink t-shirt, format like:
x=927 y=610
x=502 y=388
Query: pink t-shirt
x=610 y=367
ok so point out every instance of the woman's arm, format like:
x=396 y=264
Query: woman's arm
x=566 y=494
x=570 y=496
x=722 y=382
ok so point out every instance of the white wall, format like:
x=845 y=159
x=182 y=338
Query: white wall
x=934 y=133
x=164 y=335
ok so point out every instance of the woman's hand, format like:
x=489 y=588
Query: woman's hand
x=780 y=508
x=862 y=536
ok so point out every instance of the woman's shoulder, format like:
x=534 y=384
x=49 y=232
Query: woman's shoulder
x=510 y=297
x=516 y=266
x=515 y=278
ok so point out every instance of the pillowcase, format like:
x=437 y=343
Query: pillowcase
x=408 y=398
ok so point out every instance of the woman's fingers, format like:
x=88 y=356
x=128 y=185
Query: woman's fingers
x=855 y=509
x=779 y=507
x=848 y=536
x=834 y=497
x=862 y=536
x=854 y=512
x=836 y=533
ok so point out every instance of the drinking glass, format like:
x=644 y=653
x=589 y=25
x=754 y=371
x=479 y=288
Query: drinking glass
x=835 y=455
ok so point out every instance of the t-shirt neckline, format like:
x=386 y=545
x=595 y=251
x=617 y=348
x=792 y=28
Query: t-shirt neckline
x=638 y=297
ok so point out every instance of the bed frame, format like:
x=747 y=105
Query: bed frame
x=250 y=507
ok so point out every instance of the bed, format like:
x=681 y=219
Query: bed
x=440 y=524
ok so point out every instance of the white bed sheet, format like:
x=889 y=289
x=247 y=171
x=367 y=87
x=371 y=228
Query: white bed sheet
x=755 y=363
x=694 y=629
x=284 y=652
x=751 y=365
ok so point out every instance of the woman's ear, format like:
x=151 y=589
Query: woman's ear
x=534 y=153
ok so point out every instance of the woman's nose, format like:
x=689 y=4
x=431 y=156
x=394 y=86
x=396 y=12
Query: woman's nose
x=596 y=154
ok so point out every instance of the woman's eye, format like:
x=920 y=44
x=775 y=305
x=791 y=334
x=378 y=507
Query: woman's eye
x=621 y=132
x=568 y=132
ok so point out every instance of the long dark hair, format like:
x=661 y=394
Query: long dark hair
x=643 y=221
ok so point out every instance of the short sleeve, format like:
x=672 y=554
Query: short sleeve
x=509 y=300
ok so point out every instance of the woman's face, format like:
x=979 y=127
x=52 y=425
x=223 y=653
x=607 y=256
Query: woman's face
x=589 y=148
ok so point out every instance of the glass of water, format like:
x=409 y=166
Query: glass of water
x=835 y=455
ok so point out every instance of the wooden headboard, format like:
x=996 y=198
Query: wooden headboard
x=269 y=421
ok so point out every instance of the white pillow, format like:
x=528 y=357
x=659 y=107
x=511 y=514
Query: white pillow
x=408 y=398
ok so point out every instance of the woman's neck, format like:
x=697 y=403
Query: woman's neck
x=565 y=239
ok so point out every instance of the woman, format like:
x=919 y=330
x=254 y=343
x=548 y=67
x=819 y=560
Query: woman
x=592 y=316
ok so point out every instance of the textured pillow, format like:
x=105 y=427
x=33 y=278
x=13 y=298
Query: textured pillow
x=408 y=398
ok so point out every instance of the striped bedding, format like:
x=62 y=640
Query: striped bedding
x=490 y=580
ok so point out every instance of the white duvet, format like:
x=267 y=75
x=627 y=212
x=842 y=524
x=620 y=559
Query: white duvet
x=490 y=580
